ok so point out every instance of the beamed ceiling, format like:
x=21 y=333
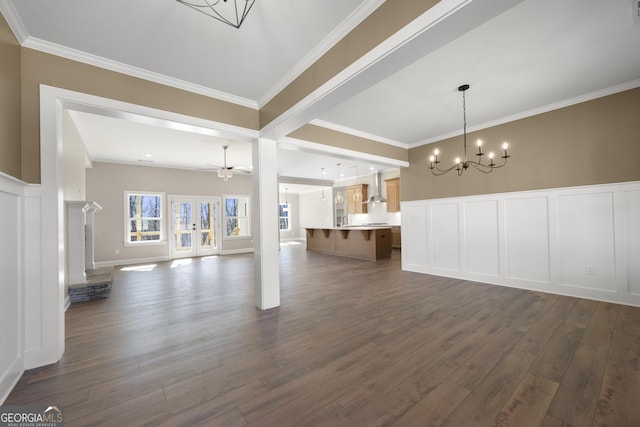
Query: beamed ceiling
x=520 y=58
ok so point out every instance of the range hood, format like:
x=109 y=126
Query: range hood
x=377 y=196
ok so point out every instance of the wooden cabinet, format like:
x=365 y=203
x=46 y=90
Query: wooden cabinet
x=393 y=194
x=356 y=206
x=339 y=207
x=396 y=237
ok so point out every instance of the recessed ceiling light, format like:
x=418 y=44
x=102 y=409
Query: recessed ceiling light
x=147 y=155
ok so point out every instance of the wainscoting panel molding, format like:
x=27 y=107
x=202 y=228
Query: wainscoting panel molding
x=577 y=241
x=11 y=284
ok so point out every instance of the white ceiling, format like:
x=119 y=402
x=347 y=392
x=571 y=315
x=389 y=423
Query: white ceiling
x=526 y=57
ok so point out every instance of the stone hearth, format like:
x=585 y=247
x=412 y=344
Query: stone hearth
x=97 y=285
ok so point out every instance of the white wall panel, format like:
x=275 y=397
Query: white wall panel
x=578 y=241
x=11 y=324
x=414 y=235
x=445 y=226
x=481 y=237
x=586 y=241
x=632 y=204
x=527 y=239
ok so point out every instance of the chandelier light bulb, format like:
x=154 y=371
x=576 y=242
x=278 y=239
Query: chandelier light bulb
x=479 y=143
x=436 y=152
x=432 y=158
x=491 y=155
x=457 y=160
x=505 y=146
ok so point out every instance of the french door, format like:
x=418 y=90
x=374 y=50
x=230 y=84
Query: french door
x=195 y=226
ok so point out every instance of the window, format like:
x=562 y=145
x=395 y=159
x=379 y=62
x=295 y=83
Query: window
x=237 y=217
x=284 y=217
x=144 y=222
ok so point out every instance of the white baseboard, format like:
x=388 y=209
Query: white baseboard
x=293 y=239
x=10 y=378
x=237 y=251
x=575 y=241
x=114 y=263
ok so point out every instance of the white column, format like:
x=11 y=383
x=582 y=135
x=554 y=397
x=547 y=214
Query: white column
x=265 y=224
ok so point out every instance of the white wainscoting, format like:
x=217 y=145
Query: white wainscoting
x=11 y=284
x=577 y=241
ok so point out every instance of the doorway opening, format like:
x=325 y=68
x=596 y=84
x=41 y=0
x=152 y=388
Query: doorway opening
x=195 y=226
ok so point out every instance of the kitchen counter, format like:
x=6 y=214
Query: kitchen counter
x=363 y=242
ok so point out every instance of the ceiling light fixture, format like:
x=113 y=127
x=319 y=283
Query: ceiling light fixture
x=322 y=198
x=231 y=12
x=357 y=194
x=461 y=165
x=339 y=196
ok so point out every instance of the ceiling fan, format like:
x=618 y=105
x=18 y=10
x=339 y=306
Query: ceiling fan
x=226 y=172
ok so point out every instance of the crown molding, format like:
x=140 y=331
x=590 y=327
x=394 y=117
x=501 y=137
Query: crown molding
x=345 y=27
x=13 y=19
x=360 y=134
x=318 y=148
x=533 y=112
x=98 y=61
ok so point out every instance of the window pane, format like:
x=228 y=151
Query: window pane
x=205 y=209
x=284 y=223
x=132 y=206
x=185 y=240
x=232 y=229
x=231 y=205
x=243 y=225
x=206 y=238
x=150 y=206
x=151 y=225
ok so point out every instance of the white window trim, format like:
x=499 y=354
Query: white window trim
x=163 y=224
x=224 y=216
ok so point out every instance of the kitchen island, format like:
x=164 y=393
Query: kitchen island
x=371 y=243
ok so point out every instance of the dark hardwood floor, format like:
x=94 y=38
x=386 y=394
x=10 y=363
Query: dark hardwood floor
x=355 y=343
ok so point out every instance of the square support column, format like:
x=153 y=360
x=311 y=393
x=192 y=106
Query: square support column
x=265 y=224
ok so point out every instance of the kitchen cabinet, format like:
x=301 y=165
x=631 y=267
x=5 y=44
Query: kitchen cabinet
x=396 y=237
x=356 y=206
x=339 y=207
x=393 y=194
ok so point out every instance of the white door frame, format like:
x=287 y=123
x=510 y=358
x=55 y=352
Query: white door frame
x=196 y=246
x=44 y=266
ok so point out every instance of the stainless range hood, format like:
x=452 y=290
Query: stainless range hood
x=377 y=196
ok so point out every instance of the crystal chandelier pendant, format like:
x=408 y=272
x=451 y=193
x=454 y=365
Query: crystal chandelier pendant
x=231 y=12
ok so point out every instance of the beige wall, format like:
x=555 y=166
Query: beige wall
x=74 y=160
x=107 y=182
x=594 y=142
x=41 y=68
x=9 y=101
x=334 y=138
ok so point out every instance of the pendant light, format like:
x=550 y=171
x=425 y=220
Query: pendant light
x=339 y=196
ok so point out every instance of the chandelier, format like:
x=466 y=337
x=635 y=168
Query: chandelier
x=231 y=12
x=461 y=165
